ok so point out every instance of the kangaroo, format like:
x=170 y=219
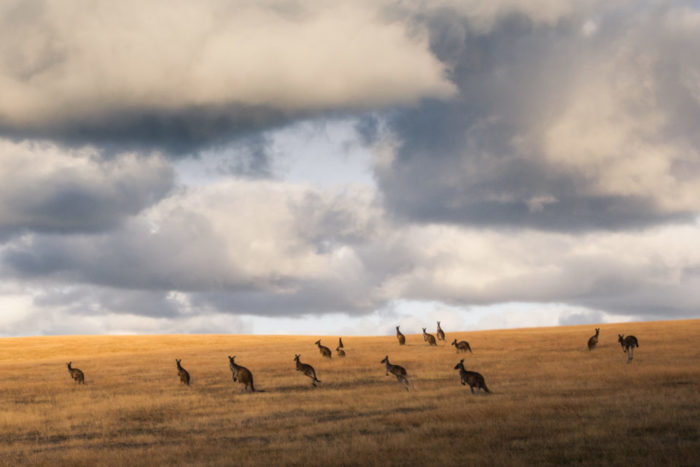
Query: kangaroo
x=461 y=346
x=325 y=351
x=400 y=337
x=341 y=352
x=429 y=338
x=440 y=333
x=77 y=375
x=472 y=378
x=628 y=344
x=241 y=374
x=396 y=370
x=182 y=373
x=593 y=341
x=340 y=342
x=308 y=370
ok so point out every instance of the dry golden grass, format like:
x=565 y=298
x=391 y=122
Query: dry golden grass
x=552 y=401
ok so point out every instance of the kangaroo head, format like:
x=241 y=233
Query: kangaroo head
x=597 y=330
x=620 y=338
x=318 y=342
x=296 y=357
x=385 y=360
x=460 y=364
x=397 y=328
x=231 y=359
x=337 y=348
x=69 y=363
x=423 y=330
x=454 y=342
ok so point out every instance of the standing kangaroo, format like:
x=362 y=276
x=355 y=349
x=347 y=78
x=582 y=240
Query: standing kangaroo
x=461 y=346
x=593 y=341
x=400 y=337
x=340 y=342
x=182 y=373
x=396 y=370
x=325 y=351
x=308 y=370
x=341 y=352
x=429 y=338
x=472 y=378
x=77 y=375
x=440 y=333
x=241 y=374
x=628 y=344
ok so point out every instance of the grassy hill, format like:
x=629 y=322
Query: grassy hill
x=552 y=401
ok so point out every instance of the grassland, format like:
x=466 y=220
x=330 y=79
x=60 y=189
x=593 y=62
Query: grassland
x=553 y=402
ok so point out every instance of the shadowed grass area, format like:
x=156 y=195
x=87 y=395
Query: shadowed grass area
x=552 y=402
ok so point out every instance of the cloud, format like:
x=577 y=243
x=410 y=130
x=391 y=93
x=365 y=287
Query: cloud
x=542 y=154
x=553 y=127
x=639 y=273
x=47 y=189
x=93 y=310
x=261 y=242
x=254 y=247
x=181 y=75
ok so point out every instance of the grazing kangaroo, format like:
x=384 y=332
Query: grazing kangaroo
x=429 y=338
x=308 y=370
x=182 y=373
x=77 y=375
x=472 y=378
x=241 y=374
x=628 y=344
x=400 y=337
x=593 y=341
x=340 y=342
x=440 y=333
x=461 y=346
x=341 y=352
x=325 y=351
x=396 y=370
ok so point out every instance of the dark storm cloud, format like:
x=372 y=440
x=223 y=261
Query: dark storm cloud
x=301 y=298
x=490 y=155
x=46 y=189
x=89 y=300
x=182 y=133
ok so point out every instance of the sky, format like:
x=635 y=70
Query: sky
x=313 y=167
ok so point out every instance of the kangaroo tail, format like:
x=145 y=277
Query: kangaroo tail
x=252 y=388
x=486 y=389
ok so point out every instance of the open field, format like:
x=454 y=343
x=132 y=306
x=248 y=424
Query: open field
x=552 y=401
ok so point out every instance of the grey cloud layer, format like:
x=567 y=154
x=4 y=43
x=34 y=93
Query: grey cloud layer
x=49 y=189
x=588 y=121
x=290 y=250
